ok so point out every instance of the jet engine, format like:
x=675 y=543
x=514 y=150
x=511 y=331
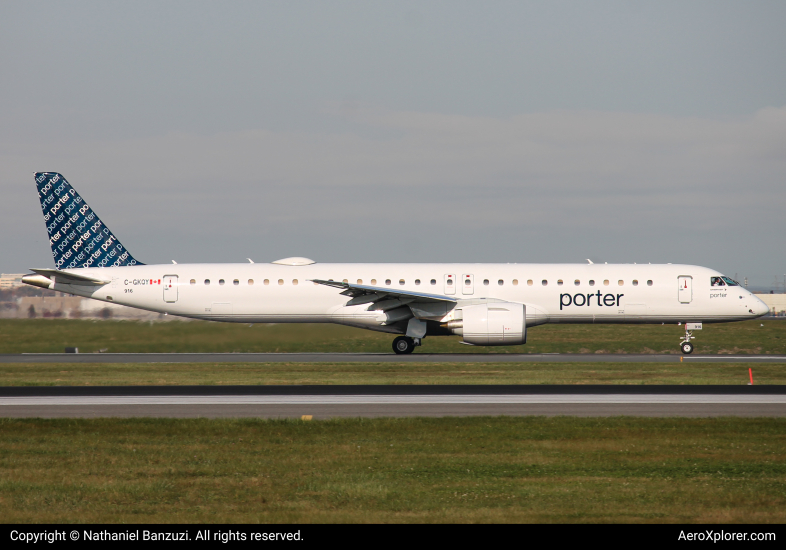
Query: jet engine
x=494 y=324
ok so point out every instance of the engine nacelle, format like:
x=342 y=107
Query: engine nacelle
x=494 y=324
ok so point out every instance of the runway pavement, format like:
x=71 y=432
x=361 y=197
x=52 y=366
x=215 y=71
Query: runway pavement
x=380 y=358
x=375 y=401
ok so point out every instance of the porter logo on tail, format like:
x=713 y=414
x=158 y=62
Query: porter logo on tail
x=77 y=237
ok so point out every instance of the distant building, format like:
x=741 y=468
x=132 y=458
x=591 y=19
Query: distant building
x=64 y=306
x=776 y=302
x=11 y=280
x=75 y=307
x=31 y=307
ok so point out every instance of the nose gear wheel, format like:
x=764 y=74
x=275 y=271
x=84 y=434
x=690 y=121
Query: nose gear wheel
x=686 y=347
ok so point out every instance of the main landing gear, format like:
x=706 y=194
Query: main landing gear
x=405 y=344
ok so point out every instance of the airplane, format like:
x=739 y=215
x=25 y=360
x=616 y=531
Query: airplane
x=485 y=304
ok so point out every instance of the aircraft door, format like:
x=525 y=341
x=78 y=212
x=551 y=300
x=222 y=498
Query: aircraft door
x=685 y=289
x=450 y=284
x=170 y=288
x=467 y=284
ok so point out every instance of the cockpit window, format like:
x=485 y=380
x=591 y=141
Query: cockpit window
x=731 y=282
x=717 y=281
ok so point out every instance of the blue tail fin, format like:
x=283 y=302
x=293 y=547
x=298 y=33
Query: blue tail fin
x=77 y=237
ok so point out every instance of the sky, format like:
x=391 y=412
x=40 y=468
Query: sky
x=382 y=131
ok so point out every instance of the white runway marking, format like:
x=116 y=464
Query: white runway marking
x=393 y=399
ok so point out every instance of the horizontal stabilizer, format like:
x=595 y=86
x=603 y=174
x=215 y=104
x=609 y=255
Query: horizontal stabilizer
x=68 y=278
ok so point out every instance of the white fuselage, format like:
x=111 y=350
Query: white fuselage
x=552 y=293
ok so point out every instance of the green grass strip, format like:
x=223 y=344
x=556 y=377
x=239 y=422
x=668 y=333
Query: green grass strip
x=479 y=469
x=143 y=374
x=54 y=335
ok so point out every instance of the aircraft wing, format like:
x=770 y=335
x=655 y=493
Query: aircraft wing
x=363 y=294
x=68 y=278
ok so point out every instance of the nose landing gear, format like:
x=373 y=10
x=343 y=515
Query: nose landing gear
x=686 y=347
x=404 y=344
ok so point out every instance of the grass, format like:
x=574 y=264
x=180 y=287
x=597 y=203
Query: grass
x=530 y=469
x=143 y=374
x=50 y=335
x=449 y=470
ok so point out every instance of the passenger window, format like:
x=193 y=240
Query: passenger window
x=577 y=282
x=373 y=281
x=207 y=281
x=529 y=282
x=500 y=282
x=193 y=281
x=266 y=282
x=649 y=283
x=717 y=281
x=592 y=282
x=433 y=281
x=221 y=281
x=281 y=281
x=559 y=282
x=417 y=281
x=251 y=282
x=236 y=282
x=387 y=281
x=360 y=281
x=606 y=282
x=467 y=282
x=635 y=282
x=449 y=282
x=515 y=282
x=544 y=282
x=294 y=282
x=401 y=281
x=345 y=281
x=485 y=282
x=620 y=282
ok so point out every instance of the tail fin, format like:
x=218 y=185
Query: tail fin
x=77 y=237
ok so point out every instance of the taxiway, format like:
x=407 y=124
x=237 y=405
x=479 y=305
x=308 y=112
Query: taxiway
x=375 y=401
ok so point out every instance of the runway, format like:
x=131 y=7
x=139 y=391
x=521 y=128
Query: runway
x=381 y=358
x=395 y=401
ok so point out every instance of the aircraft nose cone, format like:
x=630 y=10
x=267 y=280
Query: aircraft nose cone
x=759 y=307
